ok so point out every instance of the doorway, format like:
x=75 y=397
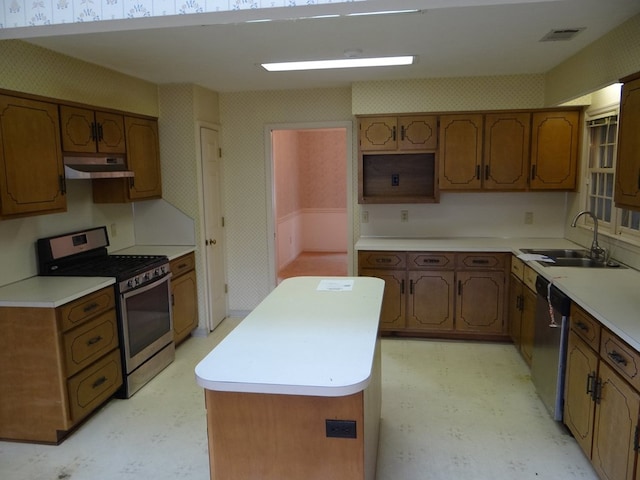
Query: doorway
x=310 y=209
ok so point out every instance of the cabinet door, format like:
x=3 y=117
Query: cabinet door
x=392 y=315
x=143 y=157
x=418 y=132
x=616 y=420
x=78 y=129
x=378 y=133
x=31 y=170
x=184 y=300
x=480 y=301
x=431 y=300
x=627 y=190
x=554 y=150
x=110 y=133
x=515 y=310
x=581 y=374
x=528 y=324
x=460 y=149
x=85 y=131
x=506 y=151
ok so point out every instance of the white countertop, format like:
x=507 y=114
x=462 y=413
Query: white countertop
x=612 y=295
x=171 y=251
x=50 y=292
x=301 y=341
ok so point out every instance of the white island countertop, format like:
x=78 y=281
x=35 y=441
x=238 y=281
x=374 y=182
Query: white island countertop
x=311 y=336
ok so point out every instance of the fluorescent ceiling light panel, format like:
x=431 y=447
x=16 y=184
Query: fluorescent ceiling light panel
x=384 y=12
x=340 y=63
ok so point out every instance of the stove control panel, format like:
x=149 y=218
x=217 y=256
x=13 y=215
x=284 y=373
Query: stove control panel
x=144 y=278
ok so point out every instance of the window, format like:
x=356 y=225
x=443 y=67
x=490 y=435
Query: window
x=602 y=134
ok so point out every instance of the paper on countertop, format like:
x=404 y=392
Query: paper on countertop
x=533 y=256
x=333 y=285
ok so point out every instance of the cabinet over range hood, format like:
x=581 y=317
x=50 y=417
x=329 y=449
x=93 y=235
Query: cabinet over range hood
x=95 y=166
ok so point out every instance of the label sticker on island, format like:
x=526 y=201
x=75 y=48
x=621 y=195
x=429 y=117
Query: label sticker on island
x=335 y=285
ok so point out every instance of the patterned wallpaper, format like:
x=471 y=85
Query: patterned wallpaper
x=30 y=13
x=602 y=63
x=244 y=118
x=443 y=94
x=31 y=69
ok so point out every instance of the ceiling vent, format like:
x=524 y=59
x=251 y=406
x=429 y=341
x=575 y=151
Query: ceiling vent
x=561 y=34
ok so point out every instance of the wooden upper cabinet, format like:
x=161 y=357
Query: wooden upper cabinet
x=554 y=150
x=31 y=169
x=627 y=190
x=87 y=131
x=398 y=133
x=460 y=150
x=143 y=157
x=506 y=151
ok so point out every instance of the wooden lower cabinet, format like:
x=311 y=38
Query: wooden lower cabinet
x=522 y=309
x=440 y=293
x=57 y=365
x=602 y=404
x=184 y=297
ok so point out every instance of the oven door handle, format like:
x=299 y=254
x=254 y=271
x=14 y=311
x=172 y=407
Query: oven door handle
x=147 y=286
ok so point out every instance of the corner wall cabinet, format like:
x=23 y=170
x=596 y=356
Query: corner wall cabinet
x=602 y=403
x=57 y=366
x=31 y=170
x=87 y=131
x=442 y=294
x=184 y=296
x=627 y=189
x=554 y=149
x=143 y=157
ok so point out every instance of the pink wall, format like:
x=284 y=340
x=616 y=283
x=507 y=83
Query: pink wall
x=311 y=191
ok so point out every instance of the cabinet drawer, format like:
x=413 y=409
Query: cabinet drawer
x=90 y=341
x=585 y=326
x=74 y=313
x=182 y=264
x=431 y=260
x=94 y=385
x=484 y=261
x=517 y=267
x=530 y=276
x=624 y=359
x=393 y=260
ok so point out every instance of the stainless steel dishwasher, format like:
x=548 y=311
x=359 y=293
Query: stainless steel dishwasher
x=550 y=345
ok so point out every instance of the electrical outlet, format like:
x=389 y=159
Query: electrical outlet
x=365 y=216
x=114 y=230
x=395 y=180
x=341 y=428
x=404 y=215
x=528 y=218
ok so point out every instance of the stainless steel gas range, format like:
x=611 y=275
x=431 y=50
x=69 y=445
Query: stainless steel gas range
x=143 y=293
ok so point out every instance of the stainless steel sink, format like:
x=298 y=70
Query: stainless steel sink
x=558 y=253
x=581 y=262
x=570 y=258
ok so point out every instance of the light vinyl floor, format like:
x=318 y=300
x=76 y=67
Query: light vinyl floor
x=450 y=410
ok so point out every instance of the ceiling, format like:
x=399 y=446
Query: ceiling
x=450 y=39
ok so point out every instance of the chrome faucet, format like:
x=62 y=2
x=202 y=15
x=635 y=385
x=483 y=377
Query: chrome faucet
x=596 y=252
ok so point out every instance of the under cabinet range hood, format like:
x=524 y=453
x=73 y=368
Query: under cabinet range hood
x=89 y=167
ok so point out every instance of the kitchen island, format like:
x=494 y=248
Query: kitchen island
x=294 y=391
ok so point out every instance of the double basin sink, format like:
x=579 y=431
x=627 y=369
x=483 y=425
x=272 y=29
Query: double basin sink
x=571 y=258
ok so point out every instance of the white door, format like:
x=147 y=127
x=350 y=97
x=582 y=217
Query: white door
x=214 y=247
